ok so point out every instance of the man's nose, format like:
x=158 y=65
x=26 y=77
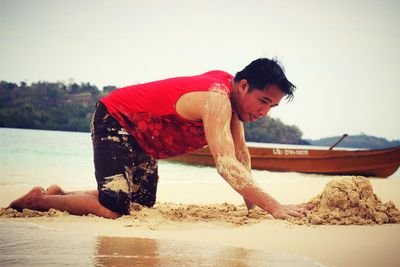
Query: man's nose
x=264 y=111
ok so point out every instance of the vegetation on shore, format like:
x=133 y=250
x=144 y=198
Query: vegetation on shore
x=69 y=107
x=270 y=130
x=356 y=141
x=48 y=106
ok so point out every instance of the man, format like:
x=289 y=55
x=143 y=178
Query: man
x=135 y=125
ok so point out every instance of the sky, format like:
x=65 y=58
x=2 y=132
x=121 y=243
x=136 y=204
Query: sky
x=343 y=56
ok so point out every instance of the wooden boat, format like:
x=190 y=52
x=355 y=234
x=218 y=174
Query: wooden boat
x=307 y=159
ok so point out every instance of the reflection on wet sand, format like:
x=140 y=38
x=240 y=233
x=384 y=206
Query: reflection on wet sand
x=27 y=244
x=123 y=251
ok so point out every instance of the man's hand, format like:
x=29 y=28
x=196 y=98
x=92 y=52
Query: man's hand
x=287 y=211
x=249 y=204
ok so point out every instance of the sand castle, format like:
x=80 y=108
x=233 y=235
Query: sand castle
x=350 y=200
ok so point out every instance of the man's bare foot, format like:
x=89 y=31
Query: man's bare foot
x=28 y=200
x=54 y=189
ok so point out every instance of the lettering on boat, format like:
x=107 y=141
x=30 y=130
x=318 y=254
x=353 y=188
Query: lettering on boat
x=289 y=152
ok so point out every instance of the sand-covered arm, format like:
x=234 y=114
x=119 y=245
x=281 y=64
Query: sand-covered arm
x=216 y=116
x=241 y=151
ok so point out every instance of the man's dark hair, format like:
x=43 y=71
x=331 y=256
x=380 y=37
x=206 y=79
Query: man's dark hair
x=263 y=72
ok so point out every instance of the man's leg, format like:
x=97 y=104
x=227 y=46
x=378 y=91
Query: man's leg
x=113 y=161
x=144 y=179
x=76 y=203
x=108 y=152
x=57 y=190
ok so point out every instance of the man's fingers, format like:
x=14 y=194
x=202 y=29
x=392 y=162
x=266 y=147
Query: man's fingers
x=300 y=209
x=280 y=215
x=297 y=211
x=304 y=207
x=309 y=206
x=283 y=216
x=296 y=214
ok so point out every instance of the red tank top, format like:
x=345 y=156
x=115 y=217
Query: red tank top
x=148 y=112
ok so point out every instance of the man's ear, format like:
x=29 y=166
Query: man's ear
x=243 y=86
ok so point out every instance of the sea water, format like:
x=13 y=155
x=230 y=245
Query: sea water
x=39 y=157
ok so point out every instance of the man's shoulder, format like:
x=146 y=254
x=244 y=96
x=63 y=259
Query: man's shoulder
x=218 y=74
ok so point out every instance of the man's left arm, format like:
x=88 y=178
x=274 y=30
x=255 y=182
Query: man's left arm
x=241 y=151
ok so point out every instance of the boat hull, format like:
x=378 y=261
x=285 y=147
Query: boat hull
x=370 y=163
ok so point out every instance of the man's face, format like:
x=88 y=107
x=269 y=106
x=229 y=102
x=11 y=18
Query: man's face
x=252 y=105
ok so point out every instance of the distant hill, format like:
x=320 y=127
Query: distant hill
x=270 y=130
x=356 y=141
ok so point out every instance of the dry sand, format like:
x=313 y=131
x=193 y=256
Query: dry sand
x=349 y=201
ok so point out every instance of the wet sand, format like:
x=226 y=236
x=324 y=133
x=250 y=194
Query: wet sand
x=180 y=216
x=27 y=243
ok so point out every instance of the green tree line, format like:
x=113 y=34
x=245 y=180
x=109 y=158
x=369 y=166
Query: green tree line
x=270 y=130
x=49 y=106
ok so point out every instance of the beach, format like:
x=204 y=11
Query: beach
x=328 y=245
x=199 y=220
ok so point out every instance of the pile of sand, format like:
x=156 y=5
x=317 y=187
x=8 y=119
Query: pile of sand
x=349 y=200
x=27 y=213
x=344 y=201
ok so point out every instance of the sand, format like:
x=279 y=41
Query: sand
x=225 y=214
x=349 y=201
x=199 y=213
x=344 y=201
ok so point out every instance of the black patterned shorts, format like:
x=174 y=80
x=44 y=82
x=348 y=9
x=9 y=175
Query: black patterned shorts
x=124 y=173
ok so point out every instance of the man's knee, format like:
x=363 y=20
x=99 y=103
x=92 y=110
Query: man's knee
x=116 y=201
x=147 y=200
x=146 y=192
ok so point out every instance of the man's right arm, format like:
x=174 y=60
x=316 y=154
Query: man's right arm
x=216 y=116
